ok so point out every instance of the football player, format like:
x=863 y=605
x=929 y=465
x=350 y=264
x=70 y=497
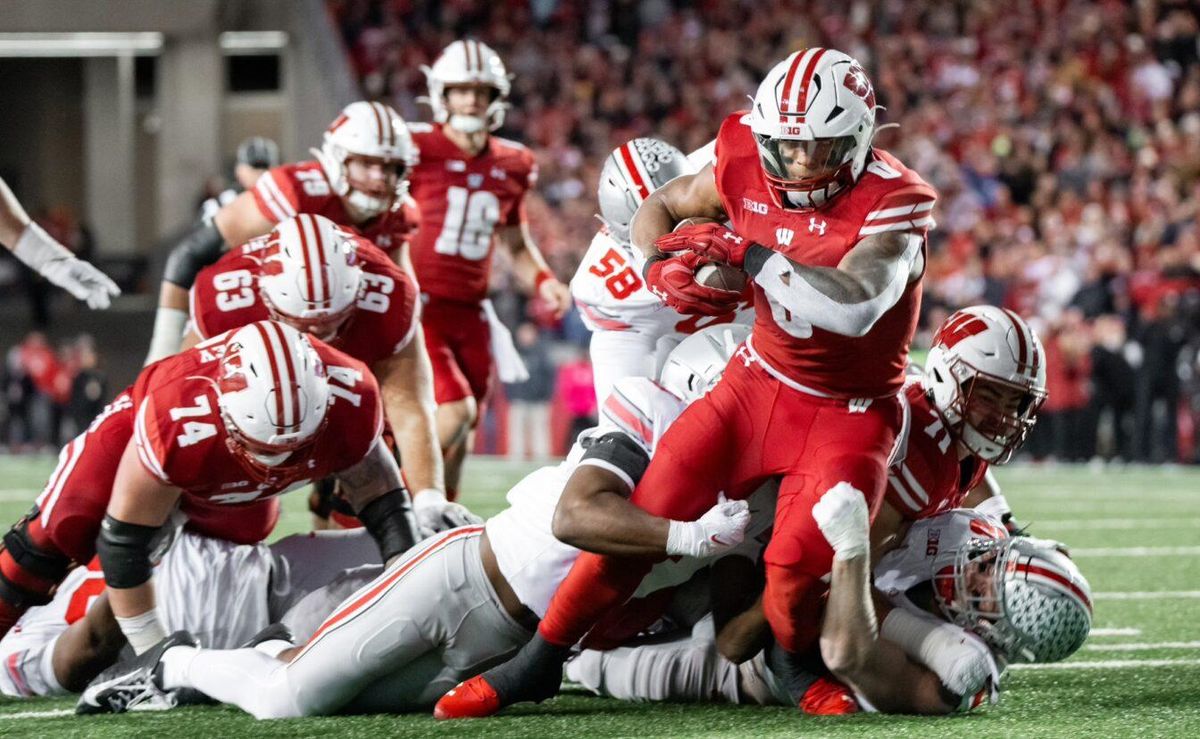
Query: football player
x=473 y=595
x=963 y=600
x=358 y=180
x=38 y=250
x=59 y=647
x=218 y=430
x=255 y=156
x=470 y=186
x=322 y=279
x=626 y=319
x=832 y=232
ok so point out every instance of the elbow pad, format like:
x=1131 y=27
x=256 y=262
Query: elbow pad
x=125 y=552
x=201 y=246
x=389 y=519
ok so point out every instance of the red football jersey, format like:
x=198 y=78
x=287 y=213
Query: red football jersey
x=462 y=200
x=225 y=297
x=181 y=439
x=929 y=478
x=284 y=191
x=887 y=197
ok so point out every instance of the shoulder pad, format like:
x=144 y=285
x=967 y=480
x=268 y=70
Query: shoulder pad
x=640 y=408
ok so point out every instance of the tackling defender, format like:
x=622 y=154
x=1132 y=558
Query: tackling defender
x=473 y=595
x=832 y=231
x=219 y=430
x=626 y=319
x=328 y=282
x=358 y=180
x=471 y=188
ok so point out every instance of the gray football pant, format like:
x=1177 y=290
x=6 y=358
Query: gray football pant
x=398 y=644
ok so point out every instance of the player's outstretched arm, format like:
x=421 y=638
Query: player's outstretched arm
x=847 y=299
x=87 y=647
x=532 y=270
x=375 y=491
x=595 y=515
x=137 y=512
x=31 y=244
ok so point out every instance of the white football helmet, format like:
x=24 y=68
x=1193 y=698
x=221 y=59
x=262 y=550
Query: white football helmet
x=633 y=171
x=813 y=119
x=1026 y=598
x=311 y=275
x=694 y=367
x=273 y=393
x=986 y=375
x=367 y=129
x=468 y=62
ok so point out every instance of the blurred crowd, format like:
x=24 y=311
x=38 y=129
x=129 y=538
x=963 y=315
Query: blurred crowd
x=51 y=393
x=1062 y=135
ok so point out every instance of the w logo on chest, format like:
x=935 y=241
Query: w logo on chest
x=784 y=236
x=474 y=180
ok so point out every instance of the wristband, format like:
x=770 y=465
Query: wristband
x=36 y=248
x=428 y=496
x=542 y=276
x=682 y=537
x=756 y=256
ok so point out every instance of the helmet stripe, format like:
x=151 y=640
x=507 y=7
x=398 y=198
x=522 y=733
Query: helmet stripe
x=1056 y=578
x=785 y=93
x=378 y=122
x=635 y=176
x=292 y=387
x=795 y=94
x=388 y=138
x=280 y=406
x=473 y=64
x=1022 y=345
x=306 y=250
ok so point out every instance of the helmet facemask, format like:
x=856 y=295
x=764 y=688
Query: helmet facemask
x=807 y=173
x=992 y=415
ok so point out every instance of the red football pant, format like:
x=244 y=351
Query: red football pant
x=458 y=340
x=749 y=428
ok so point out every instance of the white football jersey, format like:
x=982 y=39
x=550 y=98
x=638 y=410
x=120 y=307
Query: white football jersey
x=610 y=292
x=534 y=562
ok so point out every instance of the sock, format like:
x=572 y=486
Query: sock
x=534 y=674
x=245 y=678
x=594 y=586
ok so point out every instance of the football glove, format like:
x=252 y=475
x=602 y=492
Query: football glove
x=713 y=241
x=673 y=280
x=722 y=527
x=53 y=261
x=434 y=513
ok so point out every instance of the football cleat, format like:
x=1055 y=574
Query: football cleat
x=828 y=697
x=133 y=682
x=473 y=698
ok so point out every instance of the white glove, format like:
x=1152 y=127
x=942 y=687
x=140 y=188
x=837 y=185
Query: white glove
x=53 y=261
x=722 y=527
x=434 y=513
x=844 y=520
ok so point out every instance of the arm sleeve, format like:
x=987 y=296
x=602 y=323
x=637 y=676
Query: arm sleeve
x=618 y=454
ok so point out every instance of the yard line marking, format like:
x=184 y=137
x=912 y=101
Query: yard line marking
x=1142 y=646
x=1135 y=552
x=1071 y=524
x=1115 y=631
x=57 y=713
x=1148 y=595
x=1107 y=664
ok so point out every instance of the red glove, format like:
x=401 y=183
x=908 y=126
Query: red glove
x=712 y=241
x=673 y=280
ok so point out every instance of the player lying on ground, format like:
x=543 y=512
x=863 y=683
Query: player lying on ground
x=832 y=231
x=358 y=180
x=319 y=278
x=471 y=187
x=962 y=600
x=30 y=243
x=976 y=405
x=61 y=646
x=463 y=599
x=219 y=430
x=626 y=319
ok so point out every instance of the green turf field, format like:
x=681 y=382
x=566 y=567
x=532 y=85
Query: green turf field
x=1135 y=533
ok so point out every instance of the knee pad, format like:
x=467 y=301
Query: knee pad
x=201 y=246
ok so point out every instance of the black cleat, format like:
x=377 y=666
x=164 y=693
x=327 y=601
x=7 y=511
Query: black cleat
x=133 y=682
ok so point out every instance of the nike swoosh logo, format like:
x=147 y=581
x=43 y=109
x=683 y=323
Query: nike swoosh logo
x=716 y=540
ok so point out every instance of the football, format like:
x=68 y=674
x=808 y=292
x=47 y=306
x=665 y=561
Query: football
x=722 y=277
